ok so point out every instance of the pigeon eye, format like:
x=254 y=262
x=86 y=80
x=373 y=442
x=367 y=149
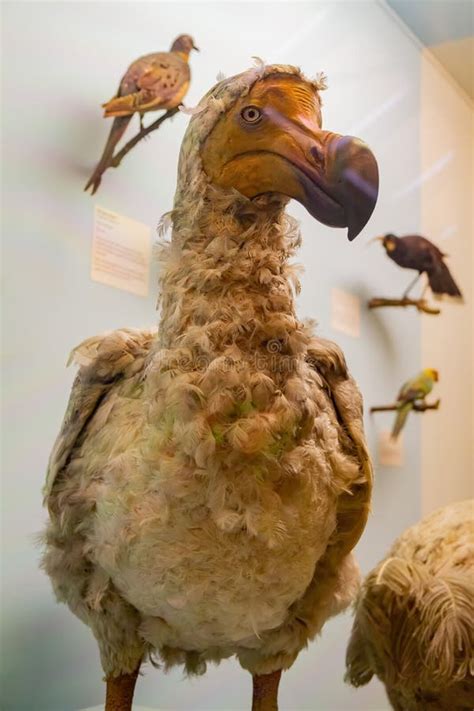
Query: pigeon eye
x=251 y=114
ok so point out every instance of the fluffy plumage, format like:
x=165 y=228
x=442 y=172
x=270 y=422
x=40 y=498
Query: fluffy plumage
x=413 y=624
x=209 y=482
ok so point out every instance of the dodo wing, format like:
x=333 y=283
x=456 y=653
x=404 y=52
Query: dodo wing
x=336 y=575
x=104 y=361
x=353 y=504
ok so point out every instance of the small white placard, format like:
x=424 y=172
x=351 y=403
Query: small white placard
x=121 y=252
x=345 y=315
x=390 y=451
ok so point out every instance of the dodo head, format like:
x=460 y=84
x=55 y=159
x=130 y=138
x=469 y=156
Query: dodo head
x=267 y=138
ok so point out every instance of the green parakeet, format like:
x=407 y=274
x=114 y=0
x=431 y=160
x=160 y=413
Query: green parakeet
x=415 y=389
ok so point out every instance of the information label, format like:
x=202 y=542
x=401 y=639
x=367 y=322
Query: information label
x=121 y=252
x=345 y=312
x=390 y=452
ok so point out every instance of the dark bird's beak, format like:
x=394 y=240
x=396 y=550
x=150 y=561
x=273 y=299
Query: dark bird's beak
x=196 y=48
x=340 y=181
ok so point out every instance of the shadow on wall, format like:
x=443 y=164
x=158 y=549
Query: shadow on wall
x=78 y=127
x=380 y=330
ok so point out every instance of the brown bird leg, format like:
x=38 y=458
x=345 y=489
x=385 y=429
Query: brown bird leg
x=411 y=285
x=142 y=127
x=265 y=691
x=119 y=695
x=119 y=127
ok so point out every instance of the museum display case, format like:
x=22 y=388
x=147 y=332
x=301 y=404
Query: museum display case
x=259 y=415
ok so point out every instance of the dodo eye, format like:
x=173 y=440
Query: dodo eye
x=251 y=114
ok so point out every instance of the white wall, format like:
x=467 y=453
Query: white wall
x=62 y=60
x=447 y=217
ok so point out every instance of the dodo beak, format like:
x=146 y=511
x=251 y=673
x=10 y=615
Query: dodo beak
x=339 y=180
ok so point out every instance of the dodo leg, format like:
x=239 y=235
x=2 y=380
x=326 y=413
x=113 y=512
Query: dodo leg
x=122 y=650
x=265 y=691
x=120 y=690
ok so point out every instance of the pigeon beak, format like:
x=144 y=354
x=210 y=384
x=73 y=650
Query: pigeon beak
x=196 y=48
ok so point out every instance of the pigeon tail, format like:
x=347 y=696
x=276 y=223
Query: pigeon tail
x=119 y=127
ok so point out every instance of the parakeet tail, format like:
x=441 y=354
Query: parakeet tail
x=402 y=414
x=119 y=126
x=441 y=281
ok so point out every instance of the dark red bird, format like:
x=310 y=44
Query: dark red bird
x=416 y=252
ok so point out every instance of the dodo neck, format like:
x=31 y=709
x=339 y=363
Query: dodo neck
x=225 y=279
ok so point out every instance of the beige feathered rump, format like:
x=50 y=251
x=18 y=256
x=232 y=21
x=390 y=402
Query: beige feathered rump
x=414 y=616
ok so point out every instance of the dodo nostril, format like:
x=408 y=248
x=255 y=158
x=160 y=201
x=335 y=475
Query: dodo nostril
x=317 y=155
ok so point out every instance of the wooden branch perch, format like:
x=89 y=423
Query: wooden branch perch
x=420 y=304
x=417 y=407
x=118 y=157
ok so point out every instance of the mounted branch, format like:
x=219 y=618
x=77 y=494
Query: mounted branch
x=117 y=159
x=420 y=304
x=109 y=160
x=417 y=407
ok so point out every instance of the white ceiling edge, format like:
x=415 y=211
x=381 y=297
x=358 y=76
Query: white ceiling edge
x=426 y=52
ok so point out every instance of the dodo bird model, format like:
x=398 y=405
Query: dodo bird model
x=210 y=480
x=156 y=81
x=413 y=624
